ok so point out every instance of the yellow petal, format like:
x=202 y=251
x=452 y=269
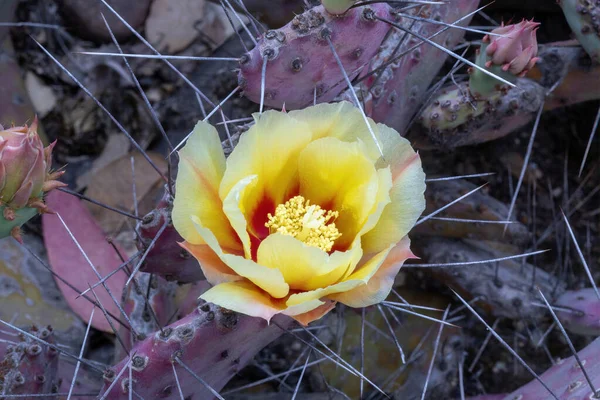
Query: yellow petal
x=345 y=263
x=304 y=297
x=201 y=167
x=234 y=210
x=379 y=285
x=345 y=122
x=381 y=201
x=245 y=298
x=339 y=176
x=268 y=279
x=305 y=267
x=215 y=271
x=315 y=314
x=303 y=308
x=407 y=200
x=269 y=150
x=342 y=121
x=359 y=277
x=297 y=261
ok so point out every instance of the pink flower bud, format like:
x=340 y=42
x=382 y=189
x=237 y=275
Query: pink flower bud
x=516 y=49
x=24 y=166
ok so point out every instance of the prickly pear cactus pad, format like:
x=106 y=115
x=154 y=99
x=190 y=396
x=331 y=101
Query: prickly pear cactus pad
x=584 y=18
x=299 y=53
x=308 y=212
x=16 y=218
x=24 y=177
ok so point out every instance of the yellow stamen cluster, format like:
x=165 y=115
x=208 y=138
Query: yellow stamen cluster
x=308 y=223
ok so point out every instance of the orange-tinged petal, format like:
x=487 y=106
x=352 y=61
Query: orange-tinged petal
x=245 y=298
x=214 y=269
x=339 y=176
x=201 y=167
x=269 y=150
x=268 y=279
x=305 y=267
x=408 y=200
x=378 y=287
x=234 y=210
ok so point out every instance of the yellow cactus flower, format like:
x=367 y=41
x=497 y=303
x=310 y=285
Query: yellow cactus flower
x=303 y=214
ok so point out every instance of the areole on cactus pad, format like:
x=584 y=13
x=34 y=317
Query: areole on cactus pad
x=304 y=213
x=24 y=177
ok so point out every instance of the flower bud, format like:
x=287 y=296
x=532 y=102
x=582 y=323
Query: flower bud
x=24 y=176
x=516 y=50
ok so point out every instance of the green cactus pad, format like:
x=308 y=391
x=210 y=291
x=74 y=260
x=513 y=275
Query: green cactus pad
x=337 y=6
x=584 y=19
x=453 y=108
x=22 y=215
x=454 y=118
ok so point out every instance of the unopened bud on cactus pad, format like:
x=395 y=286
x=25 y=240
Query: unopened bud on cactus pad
x=510 y=55
x=24 y=177
x=337 y=6
x=516 y=50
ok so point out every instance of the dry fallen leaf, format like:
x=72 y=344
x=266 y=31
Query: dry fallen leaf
x=117 y=146
x=15 y=104
x=112 y=185
x=42 y=96
x=173 y=26
x=170 y=27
